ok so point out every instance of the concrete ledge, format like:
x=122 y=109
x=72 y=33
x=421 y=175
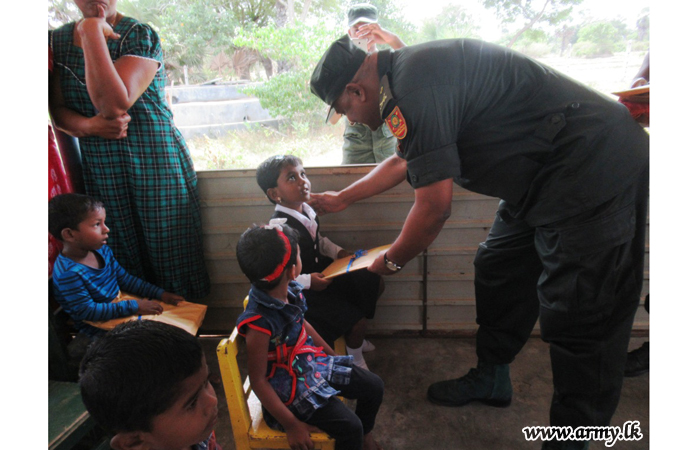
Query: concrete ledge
x=214 y=93
x=221 y=129
x=225 y=111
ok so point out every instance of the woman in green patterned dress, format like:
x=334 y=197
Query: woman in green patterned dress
x=107 y=89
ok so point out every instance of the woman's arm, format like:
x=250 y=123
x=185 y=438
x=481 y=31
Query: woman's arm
x=297 y=431
x=77 y=125
x=113 y=87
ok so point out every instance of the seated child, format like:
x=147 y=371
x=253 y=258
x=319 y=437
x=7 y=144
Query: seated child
x=147 y=383
x=338 y=307
x=292 y=370
x=86 y=276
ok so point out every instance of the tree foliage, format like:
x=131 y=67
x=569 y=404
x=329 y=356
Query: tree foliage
x=276 y=43
x=643 y=26
x=62 y=12
x=453 y=21
x=287 y=94
x=529 y=13
x=600 y=39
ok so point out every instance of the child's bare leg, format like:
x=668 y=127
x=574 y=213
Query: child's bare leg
x=369 y=443
x=356 y=335
x=353 y=342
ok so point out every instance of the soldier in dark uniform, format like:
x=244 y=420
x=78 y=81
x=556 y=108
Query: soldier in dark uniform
x=567 y=245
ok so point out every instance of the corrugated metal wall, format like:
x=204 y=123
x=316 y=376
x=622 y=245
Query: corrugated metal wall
x=434 y=292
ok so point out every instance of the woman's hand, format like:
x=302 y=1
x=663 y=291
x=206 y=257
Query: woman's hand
x=92 y=25
x=109 y=128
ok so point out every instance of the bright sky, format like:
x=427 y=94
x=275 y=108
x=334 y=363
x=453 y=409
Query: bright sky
x=417 y=10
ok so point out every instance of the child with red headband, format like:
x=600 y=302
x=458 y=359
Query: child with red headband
x=293 y=371
x=338 y=307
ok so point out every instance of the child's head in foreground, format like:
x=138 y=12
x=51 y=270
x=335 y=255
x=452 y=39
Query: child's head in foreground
x=75 y=217
x=283 y=179
x=148 y=383
x=264 y=254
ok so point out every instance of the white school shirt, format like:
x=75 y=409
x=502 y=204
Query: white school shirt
x=325 y=246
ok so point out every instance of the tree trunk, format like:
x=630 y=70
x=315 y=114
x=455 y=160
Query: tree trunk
x=305 y=10
x=282 y=8
x=528 y=26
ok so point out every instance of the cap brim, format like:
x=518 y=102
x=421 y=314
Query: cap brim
x=362 y=19
x=333 y=117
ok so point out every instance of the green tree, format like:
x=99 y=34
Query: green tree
x=226 y=38
x=599 y=39
x=529 y=13
x=297 y=46
x=287 y=93
x=391 y=17
x=565 y=36
x=534 y=43
x=62 y=12
x=643 y=26
x=453 y=21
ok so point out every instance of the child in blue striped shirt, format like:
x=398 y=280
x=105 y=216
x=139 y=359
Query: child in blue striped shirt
x=86 y=276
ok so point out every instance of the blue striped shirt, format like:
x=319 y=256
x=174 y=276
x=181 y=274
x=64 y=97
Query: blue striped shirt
x=85 y=293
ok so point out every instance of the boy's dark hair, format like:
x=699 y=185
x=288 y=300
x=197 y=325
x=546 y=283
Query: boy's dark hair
x=133 y=373
x=260 y=251
x=269 y=171
x=68 y=210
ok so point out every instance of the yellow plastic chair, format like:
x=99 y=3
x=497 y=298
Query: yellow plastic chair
x=249 y=429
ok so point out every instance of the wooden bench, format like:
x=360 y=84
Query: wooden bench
x=249 y=429
x=69 y=422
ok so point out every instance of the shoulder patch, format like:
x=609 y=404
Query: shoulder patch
x=396 y=123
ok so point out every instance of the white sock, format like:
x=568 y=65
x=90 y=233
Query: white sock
x=359 y=359
x=367 y=346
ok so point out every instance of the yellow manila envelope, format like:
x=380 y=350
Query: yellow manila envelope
x=360 y=260
x=186 y=315
x=639 y=94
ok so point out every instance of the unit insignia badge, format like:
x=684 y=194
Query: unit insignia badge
x=397 y=123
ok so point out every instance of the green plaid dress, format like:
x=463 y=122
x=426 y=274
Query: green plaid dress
x=146 y=180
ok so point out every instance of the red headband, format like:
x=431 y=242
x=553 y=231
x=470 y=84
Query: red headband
x=287 y=254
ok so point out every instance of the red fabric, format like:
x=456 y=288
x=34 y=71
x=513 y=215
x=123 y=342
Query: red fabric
x=637 y=109
x=212 y=444
x=59 y=183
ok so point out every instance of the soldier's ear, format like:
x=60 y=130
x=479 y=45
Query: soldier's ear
x=355 y=90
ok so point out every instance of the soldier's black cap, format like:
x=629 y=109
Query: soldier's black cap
x=335 y=70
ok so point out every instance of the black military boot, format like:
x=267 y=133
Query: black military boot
x=487 y=383
x=637 y=361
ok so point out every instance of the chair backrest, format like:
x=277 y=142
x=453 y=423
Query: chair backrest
x=249 y=429
x=236 y=394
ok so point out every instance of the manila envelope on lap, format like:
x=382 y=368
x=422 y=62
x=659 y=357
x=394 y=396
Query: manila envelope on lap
x=340 y=266
x=186 y=315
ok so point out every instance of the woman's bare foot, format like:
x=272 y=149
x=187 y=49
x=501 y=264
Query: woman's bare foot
x=369 y=443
